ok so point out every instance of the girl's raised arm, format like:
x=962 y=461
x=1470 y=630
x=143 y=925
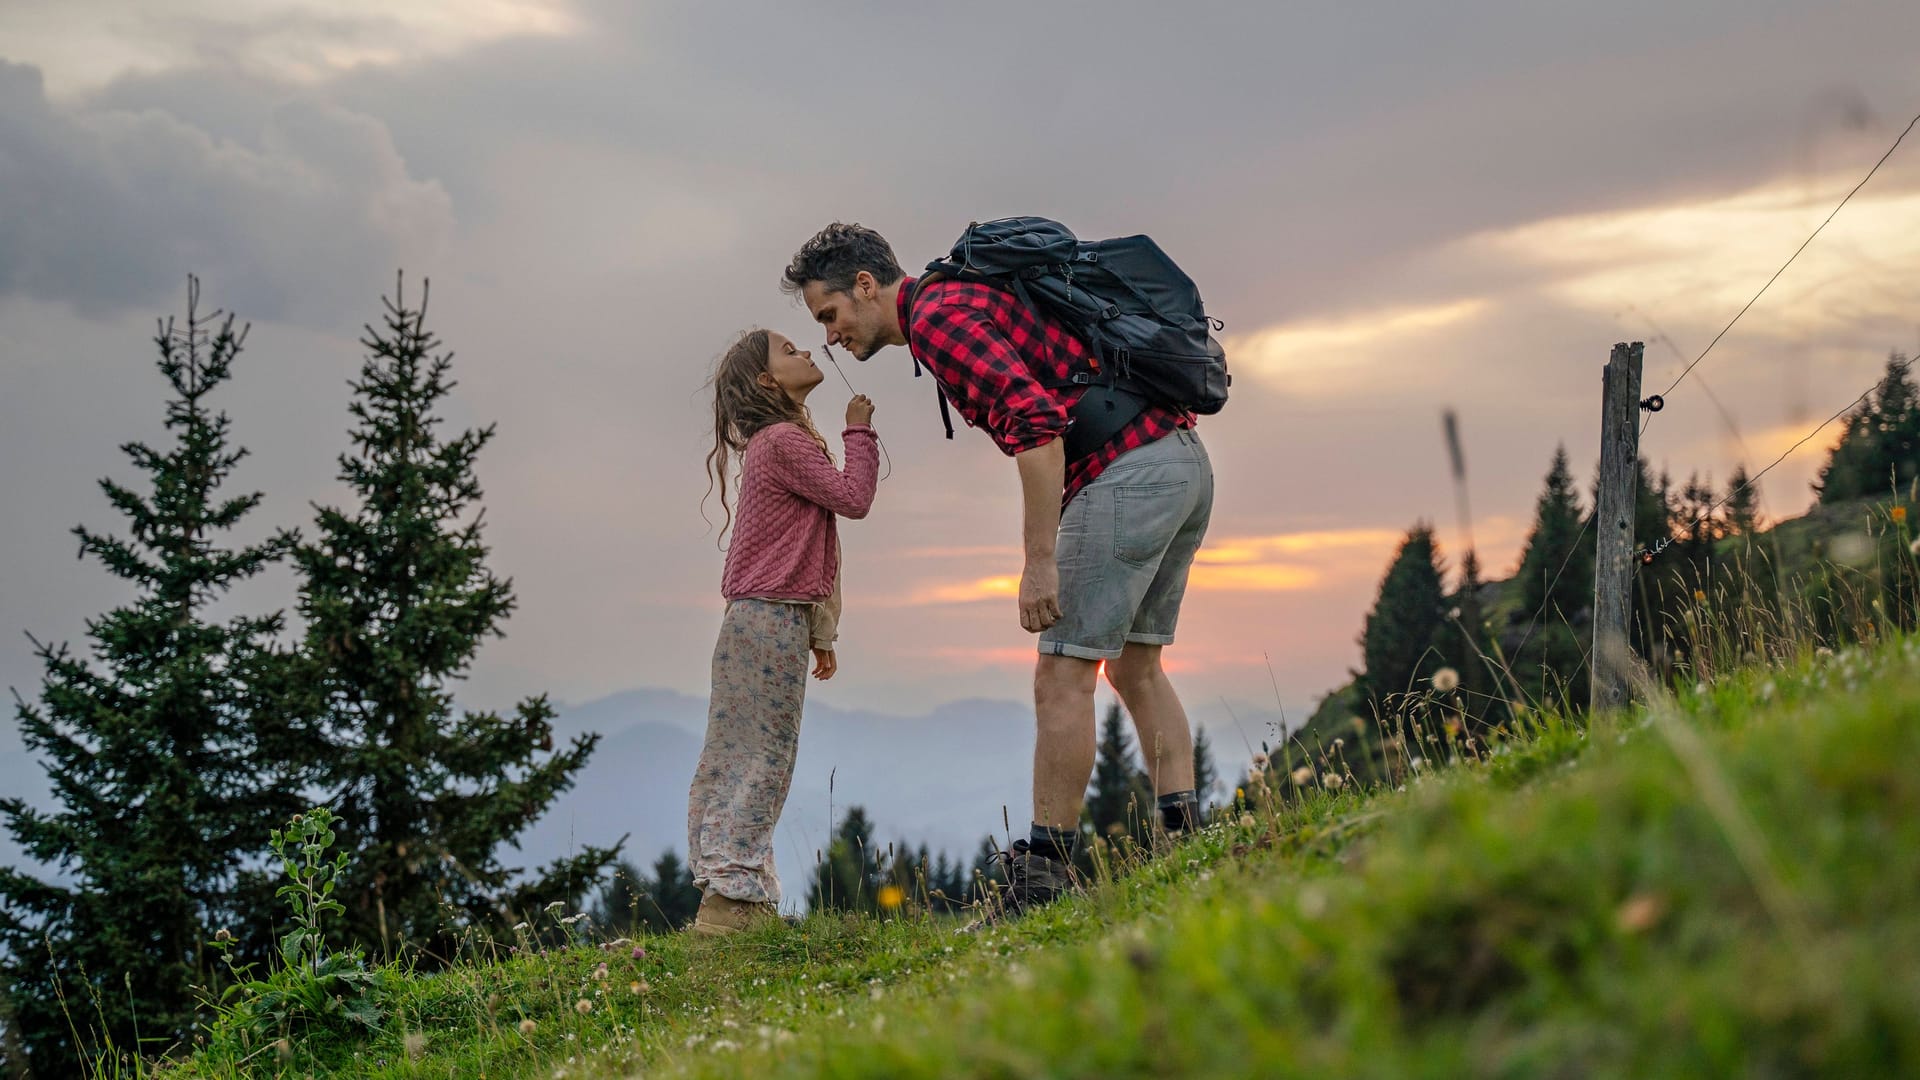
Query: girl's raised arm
x=803 y=469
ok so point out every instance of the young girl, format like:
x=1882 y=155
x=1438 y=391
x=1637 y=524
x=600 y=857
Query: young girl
x=782 y=589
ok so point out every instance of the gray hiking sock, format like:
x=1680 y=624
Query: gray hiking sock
x=1051 y=842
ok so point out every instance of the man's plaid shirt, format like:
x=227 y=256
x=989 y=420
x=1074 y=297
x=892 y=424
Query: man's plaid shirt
x=992 y=357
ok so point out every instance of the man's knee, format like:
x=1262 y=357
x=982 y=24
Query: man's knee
x=1136 y=668
x=1063 y=679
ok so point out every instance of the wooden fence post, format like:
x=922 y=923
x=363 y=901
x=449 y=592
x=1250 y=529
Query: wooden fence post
x=1613 y=521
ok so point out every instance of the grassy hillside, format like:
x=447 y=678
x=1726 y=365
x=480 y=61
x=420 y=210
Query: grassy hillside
x=1725 y=884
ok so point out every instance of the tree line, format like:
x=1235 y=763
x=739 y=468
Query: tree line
x=1449 y=659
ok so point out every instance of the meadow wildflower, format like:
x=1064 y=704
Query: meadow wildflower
x=891 y=897
x=1898 y=514
x=1640 y=913
x=1446 y=680
x=1333 y=780
x=1303 y=776
x=583 y=1006
x=526 y=1027
x=1247 y=821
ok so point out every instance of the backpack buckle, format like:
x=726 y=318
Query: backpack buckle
x=1111 y=311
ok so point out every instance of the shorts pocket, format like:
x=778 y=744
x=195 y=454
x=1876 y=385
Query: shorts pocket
x=1145 y=519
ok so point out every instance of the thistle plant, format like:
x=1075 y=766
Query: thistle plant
x=311 y=986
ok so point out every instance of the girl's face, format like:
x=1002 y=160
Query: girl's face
x=790 y=368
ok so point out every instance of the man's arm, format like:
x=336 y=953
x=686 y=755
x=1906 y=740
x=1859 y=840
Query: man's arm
x=1043 y=472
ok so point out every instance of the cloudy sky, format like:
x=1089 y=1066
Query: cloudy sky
x=1395 y=208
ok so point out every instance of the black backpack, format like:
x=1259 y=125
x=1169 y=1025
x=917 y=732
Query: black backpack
x=1137 y=311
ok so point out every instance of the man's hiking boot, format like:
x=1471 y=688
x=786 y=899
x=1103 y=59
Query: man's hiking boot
x=722 y=915
x=1033 y=880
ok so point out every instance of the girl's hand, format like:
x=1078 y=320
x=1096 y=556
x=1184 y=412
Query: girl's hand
x=860 y=410
x=824 y=664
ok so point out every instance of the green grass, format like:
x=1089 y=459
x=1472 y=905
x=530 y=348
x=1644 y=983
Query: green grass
x=1728 y=884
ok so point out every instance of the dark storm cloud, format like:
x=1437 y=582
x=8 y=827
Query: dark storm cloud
x=107 y=208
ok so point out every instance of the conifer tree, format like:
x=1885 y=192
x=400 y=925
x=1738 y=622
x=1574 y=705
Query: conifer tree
x=621 y=906
x=1556 y=568
x=1120 y=796
x=165 y=748
x=1405 y=625
x=398 y=599
x=1556 y=596
x=1742 y=503
x=674 y=899
x=848 y=876
x=1879 y=448
x=1206 y=775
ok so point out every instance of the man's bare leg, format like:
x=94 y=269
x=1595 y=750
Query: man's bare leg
x=1063 y=749
x=1160 y=721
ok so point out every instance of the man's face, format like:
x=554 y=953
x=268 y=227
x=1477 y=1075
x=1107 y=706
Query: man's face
x=855 y=320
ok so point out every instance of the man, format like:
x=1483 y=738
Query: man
x=1110 y=531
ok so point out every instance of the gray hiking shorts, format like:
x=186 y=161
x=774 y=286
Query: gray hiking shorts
x=1126 y=543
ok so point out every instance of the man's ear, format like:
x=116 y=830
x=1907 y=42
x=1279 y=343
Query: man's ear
x=865 y=286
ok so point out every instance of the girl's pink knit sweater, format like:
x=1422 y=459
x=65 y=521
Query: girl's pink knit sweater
x=785 y=546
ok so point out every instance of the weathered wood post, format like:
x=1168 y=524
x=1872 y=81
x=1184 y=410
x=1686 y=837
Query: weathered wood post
x=1613 y=521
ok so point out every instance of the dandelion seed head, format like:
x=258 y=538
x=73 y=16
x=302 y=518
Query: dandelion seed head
x=1303 y=776
x=526 y=1027
x=583 y=1006
x=1333 y=780
x=1446 y=680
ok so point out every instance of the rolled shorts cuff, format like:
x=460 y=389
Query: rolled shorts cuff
x=1150 y=639
x=1081 y=652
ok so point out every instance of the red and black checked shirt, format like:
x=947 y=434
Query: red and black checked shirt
x=991 y=354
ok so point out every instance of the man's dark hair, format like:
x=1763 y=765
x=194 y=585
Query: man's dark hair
x=837 y=253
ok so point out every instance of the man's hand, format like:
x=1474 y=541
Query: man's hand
x=860 y=410
x=1043 y=471
x=1040 y=594
x=824 y=664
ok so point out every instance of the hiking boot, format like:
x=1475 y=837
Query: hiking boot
x=1033 y=879
x=722 y=915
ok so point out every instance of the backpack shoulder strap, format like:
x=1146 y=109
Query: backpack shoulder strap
x=939 y=395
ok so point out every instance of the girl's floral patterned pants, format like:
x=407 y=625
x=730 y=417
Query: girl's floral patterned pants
x=753 y=734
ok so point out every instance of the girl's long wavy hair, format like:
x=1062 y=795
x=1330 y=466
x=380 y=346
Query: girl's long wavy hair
x=743 y=407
